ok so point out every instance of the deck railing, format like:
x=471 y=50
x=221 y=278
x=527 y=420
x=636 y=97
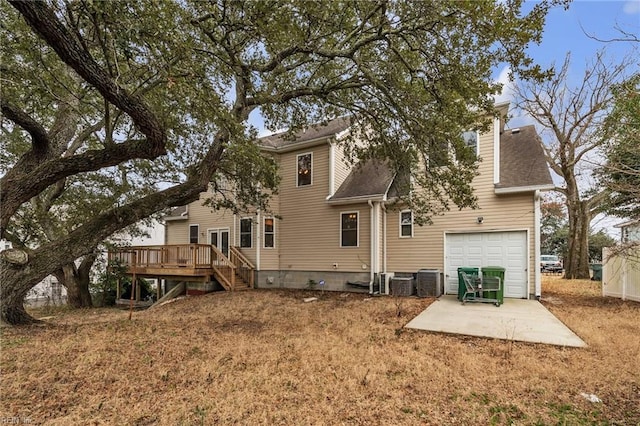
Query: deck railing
x=193 y=256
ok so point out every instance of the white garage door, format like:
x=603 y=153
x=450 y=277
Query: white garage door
x=506 y=249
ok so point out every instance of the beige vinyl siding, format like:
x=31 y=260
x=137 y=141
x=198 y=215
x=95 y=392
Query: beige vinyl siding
x=500 y=213
x=208 y=219
x=309 y=232
x=176 y=231
x=270 y=257
x=342 y=167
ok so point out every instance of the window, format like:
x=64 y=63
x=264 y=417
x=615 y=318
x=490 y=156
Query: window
x=269 y=232
x=471 y=140
x=304 y=169
x=193 y=234
x=245 y=233
x=349 y=229
x=406 y=224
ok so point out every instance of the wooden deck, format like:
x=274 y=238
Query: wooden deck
x=188 y=262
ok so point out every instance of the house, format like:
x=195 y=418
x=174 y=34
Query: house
x=334 y=225
x=629 y=231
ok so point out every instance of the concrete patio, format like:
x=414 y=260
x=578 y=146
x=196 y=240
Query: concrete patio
x=517 y=319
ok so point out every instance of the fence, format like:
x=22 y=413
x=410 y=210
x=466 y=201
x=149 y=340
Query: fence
x=621 y=273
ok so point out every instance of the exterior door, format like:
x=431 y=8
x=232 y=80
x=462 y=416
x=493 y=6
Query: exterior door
x=220 y=239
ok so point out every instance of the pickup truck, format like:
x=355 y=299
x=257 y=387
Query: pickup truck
x=550 y=263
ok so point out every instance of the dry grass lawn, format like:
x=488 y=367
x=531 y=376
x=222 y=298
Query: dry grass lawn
x=266 y=357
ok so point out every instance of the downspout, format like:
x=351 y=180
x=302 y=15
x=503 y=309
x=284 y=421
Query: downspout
x=372 y=248
x=332 y=168
x=235 y=229
x=496 y=151
x=384 y=245
x=536 y=219
x=258 y=240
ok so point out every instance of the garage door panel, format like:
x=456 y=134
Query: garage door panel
x=506 y=249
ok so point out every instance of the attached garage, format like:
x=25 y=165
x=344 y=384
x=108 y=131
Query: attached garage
x=507 y=249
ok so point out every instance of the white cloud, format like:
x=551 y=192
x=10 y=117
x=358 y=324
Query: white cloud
x=507 y=85
x=631 y=7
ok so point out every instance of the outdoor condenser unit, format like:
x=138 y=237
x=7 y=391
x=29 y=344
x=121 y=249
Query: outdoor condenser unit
x=428 y=283
x=402 y=286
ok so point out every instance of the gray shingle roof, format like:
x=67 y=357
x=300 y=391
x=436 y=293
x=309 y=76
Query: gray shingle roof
x=522 y=162
x=370 y=178
x=315 y=131
x=177 y=213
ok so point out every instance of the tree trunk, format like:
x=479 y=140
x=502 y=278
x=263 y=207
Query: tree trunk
x=13 y=292
x=577 y=263
x=76 y=281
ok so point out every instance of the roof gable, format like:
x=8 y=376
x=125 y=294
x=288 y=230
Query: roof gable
x=368 y=179
x=522 y=162
x=314 y=132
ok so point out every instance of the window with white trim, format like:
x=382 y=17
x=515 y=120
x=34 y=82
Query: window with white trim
x=194 y=230
x=406 y=224
x=246 y=226
x=349 y=229
x=269 y=229
x=471 y=139
x=305 y=165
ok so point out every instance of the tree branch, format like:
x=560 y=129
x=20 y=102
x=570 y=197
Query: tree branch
x=14 y=189
x=39 y=137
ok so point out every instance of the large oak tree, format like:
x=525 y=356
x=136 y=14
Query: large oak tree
x=571 y=116
x=175 y=83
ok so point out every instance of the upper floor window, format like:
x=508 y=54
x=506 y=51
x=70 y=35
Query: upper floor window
x=406 y=224
x=349 y=229
x=246 y=232
x=305 y=163
x=269 y=232
x=471 y=140
x=193 y=234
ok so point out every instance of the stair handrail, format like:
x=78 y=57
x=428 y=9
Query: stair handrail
x=236 y=253
x=231 y=280
x=241 y=256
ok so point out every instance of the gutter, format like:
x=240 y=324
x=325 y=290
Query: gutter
x=298 y=145
x=358 y=199
x=519 y=189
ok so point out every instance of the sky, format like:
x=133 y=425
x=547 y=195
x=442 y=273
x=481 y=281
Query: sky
x=575 y=30
x=570 y=30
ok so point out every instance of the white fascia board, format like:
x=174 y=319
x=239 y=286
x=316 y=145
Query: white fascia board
x=627 y=223
x=361 y=199
x=519 y=189
x=341 y=135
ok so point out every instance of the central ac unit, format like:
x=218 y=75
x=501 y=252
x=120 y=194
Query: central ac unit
x=428 y=283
